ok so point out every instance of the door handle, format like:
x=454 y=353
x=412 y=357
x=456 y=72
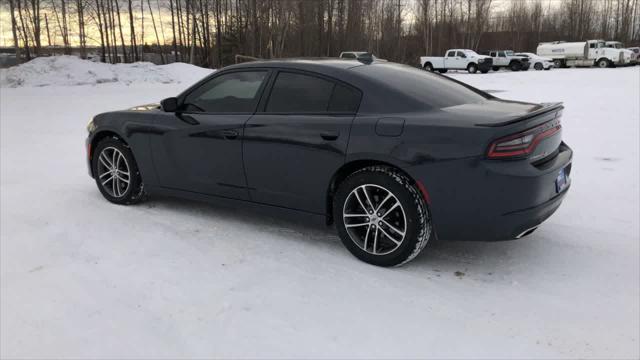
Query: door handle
x=330 y=135
x=229 y=134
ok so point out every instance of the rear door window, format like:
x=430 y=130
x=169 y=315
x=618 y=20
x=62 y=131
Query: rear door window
x=295 y=93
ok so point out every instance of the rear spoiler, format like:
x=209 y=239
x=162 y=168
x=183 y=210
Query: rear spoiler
x=544 y=109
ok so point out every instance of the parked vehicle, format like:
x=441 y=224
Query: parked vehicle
x=538 y=62
x=391 y=154
x=507 y=59
x=618 y=45
x=457 y=59
x=354 y=55
x=583 y=53
x=636 y=51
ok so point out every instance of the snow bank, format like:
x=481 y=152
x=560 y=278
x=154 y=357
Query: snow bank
x=71 y=70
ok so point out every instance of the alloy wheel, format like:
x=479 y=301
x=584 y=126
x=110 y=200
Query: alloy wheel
x=374 y=219
x=113 y=172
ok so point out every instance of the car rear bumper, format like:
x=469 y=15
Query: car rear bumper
x=485 y=200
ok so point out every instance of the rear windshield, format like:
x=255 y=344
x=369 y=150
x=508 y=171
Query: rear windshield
x=435 y=91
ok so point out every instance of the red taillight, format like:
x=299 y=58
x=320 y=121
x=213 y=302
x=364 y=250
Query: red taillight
x=523 y=143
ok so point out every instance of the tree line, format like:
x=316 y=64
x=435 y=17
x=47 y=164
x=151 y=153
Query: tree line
x=212 y=32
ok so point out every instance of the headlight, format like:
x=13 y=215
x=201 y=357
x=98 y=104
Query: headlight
x=480 y=60
x=91 y=126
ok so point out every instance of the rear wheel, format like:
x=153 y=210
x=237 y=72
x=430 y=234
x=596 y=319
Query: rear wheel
x=515 y=66
x=558 y=63
x=428 y=67
x=381 y=216
x=472 y=68
x=116 y=172
x=538 y=66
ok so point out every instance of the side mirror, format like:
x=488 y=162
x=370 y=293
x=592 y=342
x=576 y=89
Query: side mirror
x=169 y=104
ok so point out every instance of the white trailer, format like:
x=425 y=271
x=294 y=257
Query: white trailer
x=583 y=53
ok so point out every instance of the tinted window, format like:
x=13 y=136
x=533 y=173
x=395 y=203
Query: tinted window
x=344 y=100
x=234 y=92
x=451 y=54
x=297 y=93
x=501 y=54
x=434 y=91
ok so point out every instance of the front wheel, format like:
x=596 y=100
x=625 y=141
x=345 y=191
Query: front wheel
x=381 y=217
x=538 y=66
x=515 y=66
x=116 y=172
x=472 y=68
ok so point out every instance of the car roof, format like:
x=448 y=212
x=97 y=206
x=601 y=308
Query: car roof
x=311 y=64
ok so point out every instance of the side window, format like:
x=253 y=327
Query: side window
x=461 y=54
x=501 y=54
x=592 y=45
x=299 y=93
x=451 y=54
x=348 y=56
x=344 y=100
x=233 y=92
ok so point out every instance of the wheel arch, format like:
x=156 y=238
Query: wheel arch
x=349 y=168
x=99 y=136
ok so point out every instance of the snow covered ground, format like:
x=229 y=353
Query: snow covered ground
x=82 y=278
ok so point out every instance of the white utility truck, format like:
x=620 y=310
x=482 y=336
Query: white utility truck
x=620 y=46
x=457 y=59
x=583 y=53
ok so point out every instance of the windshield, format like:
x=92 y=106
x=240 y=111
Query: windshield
x=470 y=52
x=509 y=52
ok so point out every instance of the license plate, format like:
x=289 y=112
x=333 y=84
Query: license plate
x=562 y=180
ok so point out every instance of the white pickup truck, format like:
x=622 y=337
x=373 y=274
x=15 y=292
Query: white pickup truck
x=457 y=59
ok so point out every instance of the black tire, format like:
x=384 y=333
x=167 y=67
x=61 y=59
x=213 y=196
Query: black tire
x=538 y=66
x=443 y=71
x=484 y=71
x=515 y=66
x=416 y=221
x=558 y=63
x=495 y=68
x=428 y=67
x=603 y=63
x=134 y=192
x=472 y=68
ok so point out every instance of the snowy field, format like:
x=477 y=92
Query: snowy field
x=83 y=278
